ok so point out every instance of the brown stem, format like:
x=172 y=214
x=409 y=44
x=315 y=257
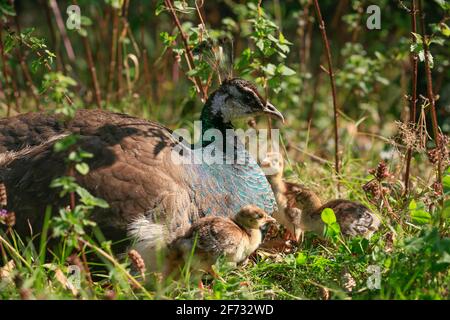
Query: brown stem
x=9 y=74
x=72 y=199
x=340 y=10
x=62 y=30
x=303 y=37
x=386 y=203
x=92 y=71
x=147 y=76
x=333 y=85
x=119 y=68
x=16 y=92
x=85 y=263
x=97 y=92
x=190 y=57
x=430 y=95
x=112 y=63
x=55 y=41
x=413 y=106
x=5 y=72
x=23 y=65
x=121 y=36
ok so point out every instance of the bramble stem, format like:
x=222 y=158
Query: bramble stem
x=190 y=57
x=413 y=110
x=333 y=85
x=430 y=94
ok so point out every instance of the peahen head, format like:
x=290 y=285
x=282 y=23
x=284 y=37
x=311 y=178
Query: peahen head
x=235 y=98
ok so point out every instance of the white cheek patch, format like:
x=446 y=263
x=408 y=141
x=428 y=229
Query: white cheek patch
x=231 y=108
x=235 y=92
x=217 y=103
x=231 y=111
x=228 y=108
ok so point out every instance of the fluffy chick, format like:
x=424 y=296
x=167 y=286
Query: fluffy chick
x=300 y=208
x=353 y=218
x=212 y=237
x=273 y=165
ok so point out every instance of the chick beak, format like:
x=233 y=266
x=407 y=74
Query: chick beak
x=265 y=163
x=272 y=112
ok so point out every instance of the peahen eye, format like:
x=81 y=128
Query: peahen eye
x=247 y=99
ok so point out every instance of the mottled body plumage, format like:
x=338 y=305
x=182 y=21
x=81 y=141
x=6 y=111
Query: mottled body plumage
x=299 y=208
x=151 y=197
x=212 y=237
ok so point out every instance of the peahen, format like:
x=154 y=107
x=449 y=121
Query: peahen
x=152 y=197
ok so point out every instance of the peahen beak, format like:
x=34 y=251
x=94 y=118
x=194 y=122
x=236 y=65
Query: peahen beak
x=271 y=111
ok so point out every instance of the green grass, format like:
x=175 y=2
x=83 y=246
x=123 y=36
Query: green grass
x=416 y=267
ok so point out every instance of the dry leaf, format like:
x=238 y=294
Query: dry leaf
x=60 y=276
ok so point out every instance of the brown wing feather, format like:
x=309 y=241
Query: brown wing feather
x=217 y=236
x=129 y=170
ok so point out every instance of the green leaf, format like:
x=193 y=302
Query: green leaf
x=301 y=258
x=160 y=7
x=9 y=43
x=283 y=40
x=328 y=216
x=65 y=143
x=286 y=71
x=443 y=3
x=418 y=213
x=446 y=183
x=445 y=259
x=89 y=200
x=116 y=4
x=438 y=40
x=85 y=21
x=412 y=205
x=430 y=58
x=273 y=39
x=445 y=29
x=7 y=9
x=269 y=69
x=417 y=36
x=446 y=210
x=82 y=168
x=420 y=217
x=82 y=32
x=260 y=44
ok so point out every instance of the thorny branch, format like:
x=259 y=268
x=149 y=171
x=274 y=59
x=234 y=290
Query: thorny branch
x=430 y=94
x=190 y=57
x=413 y=98
x=333 y=85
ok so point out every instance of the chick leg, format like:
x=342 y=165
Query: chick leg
x=289 y=236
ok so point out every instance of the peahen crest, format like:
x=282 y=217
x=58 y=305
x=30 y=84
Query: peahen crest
x=218 y=54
